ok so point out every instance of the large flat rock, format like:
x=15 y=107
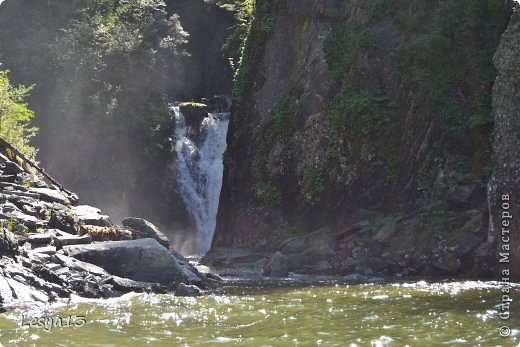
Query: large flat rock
x=91 y=216
x=141 y=260
x=50 y=195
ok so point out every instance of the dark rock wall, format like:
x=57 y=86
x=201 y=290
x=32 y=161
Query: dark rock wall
x=505 y=185
x=360 y=110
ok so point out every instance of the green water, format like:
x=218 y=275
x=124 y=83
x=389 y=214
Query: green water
x=260 y=314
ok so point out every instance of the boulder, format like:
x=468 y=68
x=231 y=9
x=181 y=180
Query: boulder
x=50 y=195
x=91 y=216
x=187 y=290
x=308 y=249
x=145 y=229
x=193 y=113
x=141 y=260
x=63 y=218
x=276 y=266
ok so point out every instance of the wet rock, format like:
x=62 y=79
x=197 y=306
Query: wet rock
x=127 y=285
x=91 y=216
x=141 y=260
x=276 y=266
x=145 y=229
x=193 y=113
x=179 y=256
x=202 y=269
x=187 y=290
x=233 y=257
x=191 y=275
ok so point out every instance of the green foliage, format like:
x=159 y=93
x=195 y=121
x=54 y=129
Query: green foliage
x=268 y=193
x=280 y=127
x=338 y=52
x=15 y=117
x=259 y=168
x=447 y=60
x=255 y=26
x=14 y=226
x=283 y=116
x=361 y=121
x=314 y=182
x=234 y=45
x=341 y=47
x=445 y=74
x=109 y=74
x=360 y=124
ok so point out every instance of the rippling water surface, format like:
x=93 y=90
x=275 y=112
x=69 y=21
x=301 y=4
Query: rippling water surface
x=283 y=314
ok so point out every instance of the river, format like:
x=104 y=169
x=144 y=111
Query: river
x=282 y=313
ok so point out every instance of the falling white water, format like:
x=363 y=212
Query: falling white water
x=199 y=170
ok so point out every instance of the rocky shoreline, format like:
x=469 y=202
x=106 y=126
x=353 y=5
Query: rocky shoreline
x=52 y=248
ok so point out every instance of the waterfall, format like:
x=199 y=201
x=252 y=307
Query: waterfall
x=199 y=169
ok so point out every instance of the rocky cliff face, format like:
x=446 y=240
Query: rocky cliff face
x=372 y=119
x=505 y=185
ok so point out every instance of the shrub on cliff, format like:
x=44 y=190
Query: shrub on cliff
x=15 y=117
